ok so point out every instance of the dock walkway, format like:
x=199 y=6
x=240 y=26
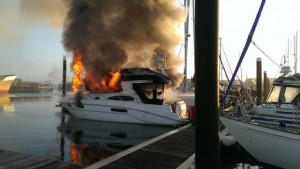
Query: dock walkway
x=14 y=160
x=167 y=151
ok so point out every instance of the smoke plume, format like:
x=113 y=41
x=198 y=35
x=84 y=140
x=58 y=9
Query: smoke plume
x=37 y=10
x=113 y=34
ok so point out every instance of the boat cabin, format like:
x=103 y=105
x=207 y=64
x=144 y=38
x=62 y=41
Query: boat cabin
x=148 y=84
x=285 y=90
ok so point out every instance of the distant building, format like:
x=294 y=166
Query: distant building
x=20 y=86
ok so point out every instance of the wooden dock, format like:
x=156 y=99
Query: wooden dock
x=14 y=160
x=167 y=151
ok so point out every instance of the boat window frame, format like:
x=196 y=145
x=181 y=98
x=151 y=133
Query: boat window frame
x=154 y=100
x=296 y=96
x=272 y=94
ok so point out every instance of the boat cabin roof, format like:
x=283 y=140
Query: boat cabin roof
x=130 y=74
x=292 y=79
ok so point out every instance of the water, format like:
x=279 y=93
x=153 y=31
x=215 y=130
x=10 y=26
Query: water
x=31 y=123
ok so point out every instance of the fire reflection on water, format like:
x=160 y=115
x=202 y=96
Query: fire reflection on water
x=92 y=141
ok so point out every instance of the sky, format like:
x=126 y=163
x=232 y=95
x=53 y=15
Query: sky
x=31 y=37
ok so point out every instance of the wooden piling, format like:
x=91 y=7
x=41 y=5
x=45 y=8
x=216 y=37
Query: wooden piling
x=258 y=80
x=64 y=76
x=265 y=86
x=207 y=153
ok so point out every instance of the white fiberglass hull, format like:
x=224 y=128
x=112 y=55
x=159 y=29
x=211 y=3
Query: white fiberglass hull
x=275 y=147
x=125 y=112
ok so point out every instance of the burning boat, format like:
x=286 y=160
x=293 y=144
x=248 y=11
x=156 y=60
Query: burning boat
x=112 y=81
x=139 y=99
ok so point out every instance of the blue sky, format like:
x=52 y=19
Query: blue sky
x=31 y=36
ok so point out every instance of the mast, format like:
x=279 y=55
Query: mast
x=249 y=39
x=295 y=51
x=186 y=34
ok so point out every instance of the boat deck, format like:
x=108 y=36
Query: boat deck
x=167 y=151
x=14 y=160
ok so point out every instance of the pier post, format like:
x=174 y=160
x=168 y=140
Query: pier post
x=258 y=81
x=265 y=86
x=64 y=76
x=62 y=122
x=207 y=147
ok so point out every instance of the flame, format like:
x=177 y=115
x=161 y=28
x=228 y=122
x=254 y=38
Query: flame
x=77 y=67
x=110 y=83
x=75 y=154
x=85 y=154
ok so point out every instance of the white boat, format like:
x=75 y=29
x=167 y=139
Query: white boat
x=282 y=105
x=270 y=132
x=273 y=145
x=142 y=100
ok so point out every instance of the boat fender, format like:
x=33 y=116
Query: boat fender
x=228 y=141
x=282 y=124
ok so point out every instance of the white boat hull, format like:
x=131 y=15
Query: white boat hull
x=125 y=112
x=275 y=147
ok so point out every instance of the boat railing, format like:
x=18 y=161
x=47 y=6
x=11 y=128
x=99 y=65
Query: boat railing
x=63 y=94
x=233 y=106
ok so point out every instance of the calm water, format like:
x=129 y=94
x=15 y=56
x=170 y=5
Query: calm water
x=32 y=124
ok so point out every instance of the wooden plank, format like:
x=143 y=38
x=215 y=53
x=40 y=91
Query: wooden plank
x=4 y=153
x=24 y=163
x=14 y=160
x=167 y=153
x=39 y=164
x=150 y=160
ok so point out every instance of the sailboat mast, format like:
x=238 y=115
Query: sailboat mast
x=295 y=51
x=186 y=34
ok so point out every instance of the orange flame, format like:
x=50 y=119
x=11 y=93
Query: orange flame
x=75 y=154
x=77 y=67
x=85 y=154
x=110 y=83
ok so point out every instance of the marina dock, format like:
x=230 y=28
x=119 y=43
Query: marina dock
x=170 y=150
x=174 y=149
x=10 y=159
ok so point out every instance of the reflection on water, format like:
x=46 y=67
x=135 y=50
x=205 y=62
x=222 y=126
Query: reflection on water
x=6 y=105
x=91 y=141
x=31 y=124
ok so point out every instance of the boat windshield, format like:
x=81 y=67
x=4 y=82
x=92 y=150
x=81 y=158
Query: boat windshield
x=284 y=94
x=274 y=95
x=290 y=94
x=150 y=93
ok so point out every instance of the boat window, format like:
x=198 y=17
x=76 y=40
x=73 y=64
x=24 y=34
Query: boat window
x=160 y=91
x=274 y=95
x=150 y=93
x=148 y=90
x=123 y=98
x=290 y=93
